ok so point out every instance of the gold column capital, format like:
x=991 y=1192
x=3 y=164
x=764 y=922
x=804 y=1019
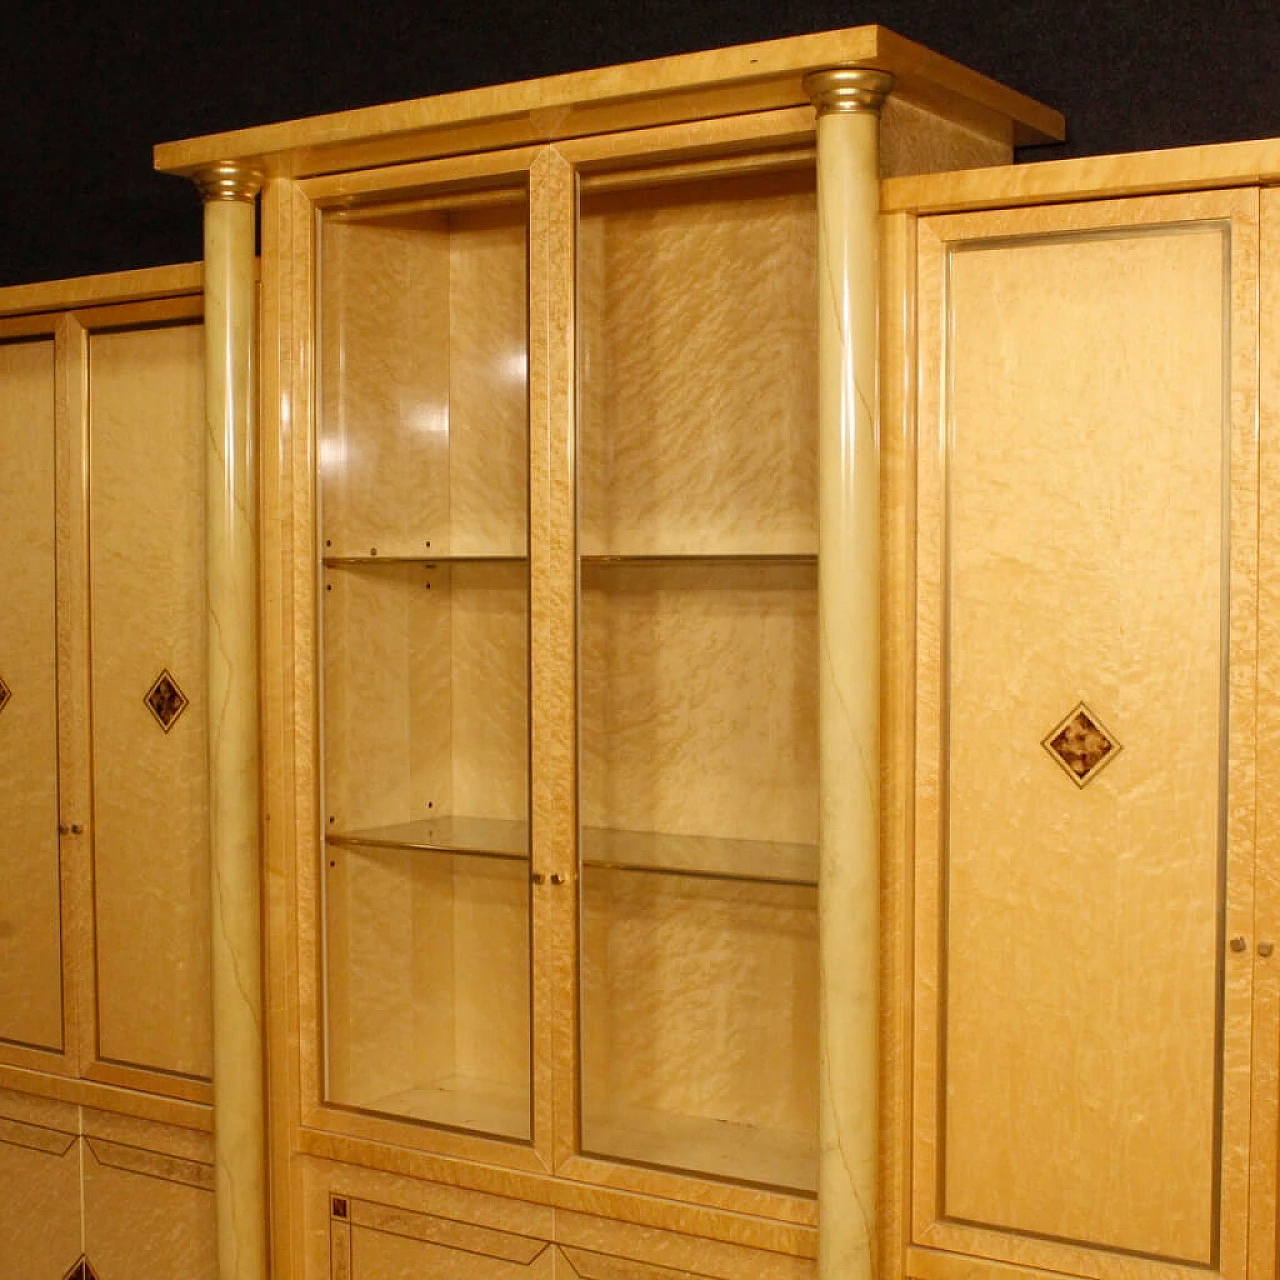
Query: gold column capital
x=229 y=180
x=848 y=89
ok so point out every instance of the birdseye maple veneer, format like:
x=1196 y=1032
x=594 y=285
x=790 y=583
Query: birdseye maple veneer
x=735 y=619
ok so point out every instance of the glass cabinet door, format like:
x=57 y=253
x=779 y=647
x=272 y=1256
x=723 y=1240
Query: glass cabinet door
x=423 y=496
x=697 y=540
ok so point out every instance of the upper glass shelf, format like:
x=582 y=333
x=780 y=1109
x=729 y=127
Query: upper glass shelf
x=707 y=857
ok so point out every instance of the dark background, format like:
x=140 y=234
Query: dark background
x=86 y=90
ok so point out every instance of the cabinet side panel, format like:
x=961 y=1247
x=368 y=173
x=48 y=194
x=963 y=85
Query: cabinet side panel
x=30 y=933
x=146 y=485
x=1086 y=409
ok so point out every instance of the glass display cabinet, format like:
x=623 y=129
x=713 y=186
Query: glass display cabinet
x=563 y=385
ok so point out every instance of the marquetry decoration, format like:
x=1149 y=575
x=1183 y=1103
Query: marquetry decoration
x=165 y=700
x=1081 y=745
x=5 y=695
x=81 y=1271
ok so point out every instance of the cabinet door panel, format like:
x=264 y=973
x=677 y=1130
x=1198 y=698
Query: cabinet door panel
x=30 y=933
x=147 y=601
x=1087 y=543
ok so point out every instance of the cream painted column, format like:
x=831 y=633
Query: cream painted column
x=848 y=103
x=229 y=193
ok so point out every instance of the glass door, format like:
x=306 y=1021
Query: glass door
x=697 y=541
x=423 y=493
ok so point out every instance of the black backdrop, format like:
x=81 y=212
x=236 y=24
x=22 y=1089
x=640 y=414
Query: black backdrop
x=86 y=90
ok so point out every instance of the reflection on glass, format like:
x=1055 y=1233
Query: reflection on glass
x=425 y=621
x=697 y=535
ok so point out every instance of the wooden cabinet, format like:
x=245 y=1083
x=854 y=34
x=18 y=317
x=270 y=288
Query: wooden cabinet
x=1088 y=958
x=541 y=651
x=104 y=991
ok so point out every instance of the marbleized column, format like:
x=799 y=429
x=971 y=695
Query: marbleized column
x=230 y=322
x=848 y=103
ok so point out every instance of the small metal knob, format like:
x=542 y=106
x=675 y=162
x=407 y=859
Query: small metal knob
x=75 y=829
x=557 y=878
x=1266 y=948
x=537 y=877
x=1238 y=943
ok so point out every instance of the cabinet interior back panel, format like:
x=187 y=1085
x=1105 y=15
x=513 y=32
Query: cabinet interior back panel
x=423 y=446
x=1085 y=406
x=700 y=1024
x=426 y=693
x=30 y=933
x=148 y=616
x=698 y=379
x=699 y=700
x=428 y=989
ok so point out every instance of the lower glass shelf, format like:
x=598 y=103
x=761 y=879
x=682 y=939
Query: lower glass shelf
x=459 y=1102
x=482 y=837
x=742 y=1152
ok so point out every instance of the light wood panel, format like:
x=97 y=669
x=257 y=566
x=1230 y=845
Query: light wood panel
x=148 y=1200
x=699 y=700
x=147 y=601
x=428 y=991
x=697 y=382
x=426 y=693
x=1264 y=1147
x=697 y=86
x=699 y=1016
x=1077 y=1054
x=424 y=382
x=30 y=926
x=40 y=1233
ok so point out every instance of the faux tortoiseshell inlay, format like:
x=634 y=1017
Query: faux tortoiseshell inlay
x=165 y=700
x=1081 y=745
x=81 y=1271
x=5 y=695
x=339 y=1206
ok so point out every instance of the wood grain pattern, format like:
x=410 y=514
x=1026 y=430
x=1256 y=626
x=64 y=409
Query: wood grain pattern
x=146 y=514
x=42 y=1235
x=699 y=700
x=720 y=82
x=699 y=1015
x=1264 y=1151
x=697 y=386
x=424 y=382
x=30 y=923
x=1082 y=1092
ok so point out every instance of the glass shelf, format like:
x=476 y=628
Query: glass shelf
x=707 y=857
x=606 y=560
x=338 y=562
x=478 y=837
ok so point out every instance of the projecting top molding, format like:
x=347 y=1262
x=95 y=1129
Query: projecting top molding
x=685 y=88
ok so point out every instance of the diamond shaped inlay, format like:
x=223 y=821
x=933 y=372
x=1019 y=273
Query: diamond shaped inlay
x=5 y=695
x=1081 y=745
x=165 y=700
